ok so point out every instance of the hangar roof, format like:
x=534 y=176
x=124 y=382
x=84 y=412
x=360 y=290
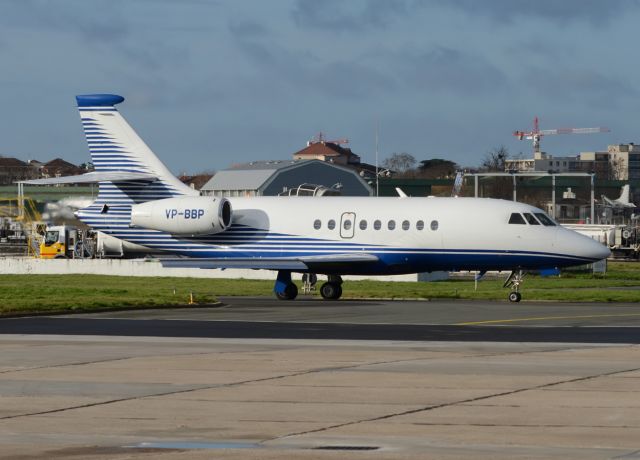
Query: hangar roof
x=248 y=176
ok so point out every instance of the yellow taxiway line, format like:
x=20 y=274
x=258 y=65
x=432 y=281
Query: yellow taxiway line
x=544 y=318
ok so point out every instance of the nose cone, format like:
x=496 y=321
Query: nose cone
x=574 y=244
x=595 y=250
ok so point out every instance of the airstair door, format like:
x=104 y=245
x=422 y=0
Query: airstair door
x=347 y=224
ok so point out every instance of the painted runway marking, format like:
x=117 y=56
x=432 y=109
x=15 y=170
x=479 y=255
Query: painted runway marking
x=544 y=318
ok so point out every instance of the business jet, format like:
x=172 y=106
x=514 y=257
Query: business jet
x=142 y=203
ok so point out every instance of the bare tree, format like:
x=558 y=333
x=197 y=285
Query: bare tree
x=399 y=162
x=495 y=159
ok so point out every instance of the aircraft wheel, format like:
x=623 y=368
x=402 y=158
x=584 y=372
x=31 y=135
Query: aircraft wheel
x=331 y=291
x=290 y=292
x=514 y=296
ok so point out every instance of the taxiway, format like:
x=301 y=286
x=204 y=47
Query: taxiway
x=255 y=378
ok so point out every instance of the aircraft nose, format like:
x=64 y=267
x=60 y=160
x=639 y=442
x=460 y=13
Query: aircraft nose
x=580 y=245
x=597 y=251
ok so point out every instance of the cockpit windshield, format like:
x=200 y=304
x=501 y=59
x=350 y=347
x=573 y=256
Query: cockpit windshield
x=516 y=218
x=546 y=220
x=51 y=237
x=530 y=219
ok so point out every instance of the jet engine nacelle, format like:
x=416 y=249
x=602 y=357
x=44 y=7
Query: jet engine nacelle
x=200 y=215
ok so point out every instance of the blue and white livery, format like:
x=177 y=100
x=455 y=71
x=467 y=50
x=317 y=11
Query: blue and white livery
x=142 y=203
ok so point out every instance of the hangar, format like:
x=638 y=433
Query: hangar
x=277 y=177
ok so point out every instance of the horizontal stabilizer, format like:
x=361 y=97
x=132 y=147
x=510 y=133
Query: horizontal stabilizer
x=276 y=263
x=94 y=177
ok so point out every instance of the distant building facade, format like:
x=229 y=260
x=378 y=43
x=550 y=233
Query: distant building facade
x=619 y=162
x=625 y=160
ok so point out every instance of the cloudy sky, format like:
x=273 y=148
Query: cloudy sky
x=212 y=82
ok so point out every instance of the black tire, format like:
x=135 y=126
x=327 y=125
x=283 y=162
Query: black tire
x=515 y=297
x=290 y=292
x=331 y=291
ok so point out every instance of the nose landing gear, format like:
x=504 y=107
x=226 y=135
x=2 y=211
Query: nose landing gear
x=514 y=281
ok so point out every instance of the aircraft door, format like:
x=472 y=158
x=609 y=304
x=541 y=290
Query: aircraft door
x=347 y=224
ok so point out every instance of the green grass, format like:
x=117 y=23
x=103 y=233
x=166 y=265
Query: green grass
x=46 y=293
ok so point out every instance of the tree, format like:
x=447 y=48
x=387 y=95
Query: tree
x=399 y=162
x=496 y=159
x=437 y=168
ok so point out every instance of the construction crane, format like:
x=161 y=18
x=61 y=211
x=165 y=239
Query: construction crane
x=536 y=134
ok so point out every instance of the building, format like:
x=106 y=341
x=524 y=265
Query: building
x=333 y=152
x=624 y=160
x=619 y=162
x=329 y=151
x=271 y=178
x=59 y=168
x=12 y=170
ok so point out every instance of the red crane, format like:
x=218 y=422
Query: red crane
x=536 y=134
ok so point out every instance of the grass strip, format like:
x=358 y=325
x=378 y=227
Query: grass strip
x=47 y=293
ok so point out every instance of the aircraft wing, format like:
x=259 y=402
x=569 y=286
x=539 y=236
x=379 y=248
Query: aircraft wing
x=318 y=263
x=94 y=177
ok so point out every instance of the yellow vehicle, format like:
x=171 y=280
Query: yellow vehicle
x=59 y=242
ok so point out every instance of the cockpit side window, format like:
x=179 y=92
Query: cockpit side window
x=546 y=220
x=516 y=218
x=532 y=220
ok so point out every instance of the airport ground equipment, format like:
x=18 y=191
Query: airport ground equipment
x=70 y=242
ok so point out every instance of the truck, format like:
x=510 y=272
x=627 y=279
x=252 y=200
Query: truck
x=69 y=242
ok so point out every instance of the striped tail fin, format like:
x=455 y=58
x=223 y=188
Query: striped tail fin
x=116 y=147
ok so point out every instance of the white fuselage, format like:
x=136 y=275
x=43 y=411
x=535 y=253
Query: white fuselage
x=405 y=234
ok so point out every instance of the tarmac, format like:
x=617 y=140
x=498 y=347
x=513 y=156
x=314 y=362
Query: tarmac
x=78 y=394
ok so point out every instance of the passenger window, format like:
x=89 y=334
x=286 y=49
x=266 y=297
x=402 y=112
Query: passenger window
x=331 y=224
x=363 y=225
x=420 y=225
x=317 y=224
x=516 y=218
x=546 y=220
x=377 y=225
x=405 y=225
x=434 y=225
x=391 y=225
x=347 y=224
x=532 y=220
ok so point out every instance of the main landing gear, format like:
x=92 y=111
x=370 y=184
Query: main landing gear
x=332 y=289
x=514 y=281
x=285 y=289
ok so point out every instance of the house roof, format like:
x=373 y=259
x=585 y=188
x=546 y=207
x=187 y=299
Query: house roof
x=326 y=149
x=59 y=163
x=11 y=162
